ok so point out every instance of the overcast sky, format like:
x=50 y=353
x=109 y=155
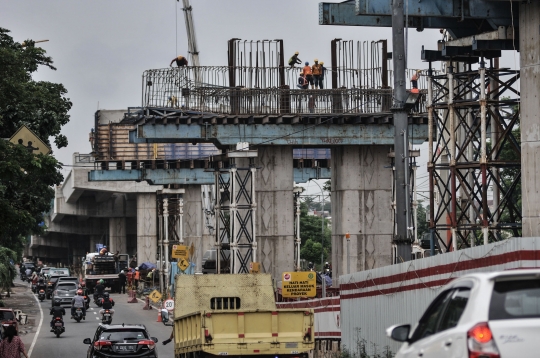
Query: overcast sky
x=102 y=47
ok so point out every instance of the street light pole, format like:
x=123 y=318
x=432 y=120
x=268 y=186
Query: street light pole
x=322 y=227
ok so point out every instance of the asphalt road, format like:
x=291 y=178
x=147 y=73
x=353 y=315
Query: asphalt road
x=70 y=344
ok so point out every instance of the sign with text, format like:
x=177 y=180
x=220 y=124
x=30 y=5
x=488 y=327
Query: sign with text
x=180 y=252
x=299 y=284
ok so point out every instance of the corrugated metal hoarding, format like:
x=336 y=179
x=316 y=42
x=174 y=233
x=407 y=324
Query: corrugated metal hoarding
x=327 y=315
x=375 y=299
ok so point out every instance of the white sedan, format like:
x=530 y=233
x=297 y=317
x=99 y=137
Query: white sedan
x=484 y=315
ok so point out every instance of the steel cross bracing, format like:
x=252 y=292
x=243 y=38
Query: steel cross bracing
x=476 y=115
x=235 y=212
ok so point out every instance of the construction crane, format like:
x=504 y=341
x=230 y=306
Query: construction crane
x=190 y=30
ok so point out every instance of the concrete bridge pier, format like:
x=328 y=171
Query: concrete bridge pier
x=117 y=235
x=194 y=228
x=529 y=37
x=275 y=209
x=146 y=227
x=361 y=206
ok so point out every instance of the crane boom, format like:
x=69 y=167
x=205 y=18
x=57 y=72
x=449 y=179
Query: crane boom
x=190 y=30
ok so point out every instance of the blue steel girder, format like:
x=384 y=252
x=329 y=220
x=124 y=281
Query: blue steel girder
x=472 y=9
x=479 y=16
x=323 y=135
x=155 y=176
x=196 y=176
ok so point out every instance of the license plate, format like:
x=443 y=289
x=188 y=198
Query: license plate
x=127 y=348
x=58 y=324
x=107 y=315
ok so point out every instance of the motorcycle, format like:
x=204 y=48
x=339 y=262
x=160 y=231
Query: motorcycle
x=58 y=327
x=41 y=295
x=107 y=317
x=98 y=300
x=87 y=301
x=23 y=276
x=33 y=287
x=78 y=314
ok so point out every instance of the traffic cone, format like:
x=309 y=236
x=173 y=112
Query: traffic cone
x=159 y=316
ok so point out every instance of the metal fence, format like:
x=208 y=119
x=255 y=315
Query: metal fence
x=206 y=89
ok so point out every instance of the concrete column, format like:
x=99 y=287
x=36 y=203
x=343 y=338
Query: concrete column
x=146 y=228
x=529 y=40
x=195 y=231
x=361 y=206
x=275 y=210
x=94 y=239
x=117 y=235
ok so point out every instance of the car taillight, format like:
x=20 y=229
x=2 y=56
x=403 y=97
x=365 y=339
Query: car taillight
x=148 y=342
x=480 y=342
x=100 y=344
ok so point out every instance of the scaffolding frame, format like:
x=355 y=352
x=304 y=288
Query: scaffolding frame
x=235 y=212
x=476 y=116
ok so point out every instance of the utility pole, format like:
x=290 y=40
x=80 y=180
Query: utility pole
x=401 y=147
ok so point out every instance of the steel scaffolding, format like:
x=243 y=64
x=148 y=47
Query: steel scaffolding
x=475 y=156
x=235 y=212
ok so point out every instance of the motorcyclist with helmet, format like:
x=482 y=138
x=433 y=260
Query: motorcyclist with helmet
x=57 y=311
x=99 y=289
x=78 y=302
x=108 y=304
x=41 y=285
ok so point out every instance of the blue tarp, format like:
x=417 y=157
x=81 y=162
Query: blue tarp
x=147 y=266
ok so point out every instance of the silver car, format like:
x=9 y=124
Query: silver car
x=65 y=291
x=478 y=315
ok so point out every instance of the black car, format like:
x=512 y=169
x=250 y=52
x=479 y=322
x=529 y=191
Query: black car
x=121 y=340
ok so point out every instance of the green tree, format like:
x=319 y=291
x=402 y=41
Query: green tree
x=423 y=224
x=7 y=269
x=26 y=179
x=310 y=233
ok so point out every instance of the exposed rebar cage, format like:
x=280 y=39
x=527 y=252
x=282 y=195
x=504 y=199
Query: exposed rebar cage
x=476 y=115
x=235 y=212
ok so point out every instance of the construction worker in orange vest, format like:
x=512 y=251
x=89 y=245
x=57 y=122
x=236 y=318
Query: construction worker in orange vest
x=316 y=69
x=308 y=74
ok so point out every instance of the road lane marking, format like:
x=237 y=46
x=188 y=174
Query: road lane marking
x=39 y=327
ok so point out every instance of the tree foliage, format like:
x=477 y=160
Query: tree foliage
x=26 y=179
x=7 y=268
x=311 y=229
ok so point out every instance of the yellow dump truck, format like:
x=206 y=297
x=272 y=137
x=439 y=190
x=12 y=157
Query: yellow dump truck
x=236 y=315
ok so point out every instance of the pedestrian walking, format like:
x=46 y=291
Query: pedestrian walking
x=123 y=279
x=137 y=277
x=294 y=59
x=11 y=345
x=181 y=61
x=308 y=74
x=316 y=69
x=323 y=73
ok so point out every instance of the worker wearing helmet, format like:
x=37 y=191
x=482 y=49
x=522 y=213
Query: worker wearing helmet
x=323 y=72
x=99 y=289
x=57 y=311
x=316 y=69
x=181 y=61
x=294 y=59
x=308 y=74
x=78 y=302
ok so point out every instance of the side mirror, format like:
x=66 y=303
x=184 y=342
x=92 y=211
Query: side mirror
x=87 y=341
x=154 y=339
x=164 y=316
x=399 y=332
